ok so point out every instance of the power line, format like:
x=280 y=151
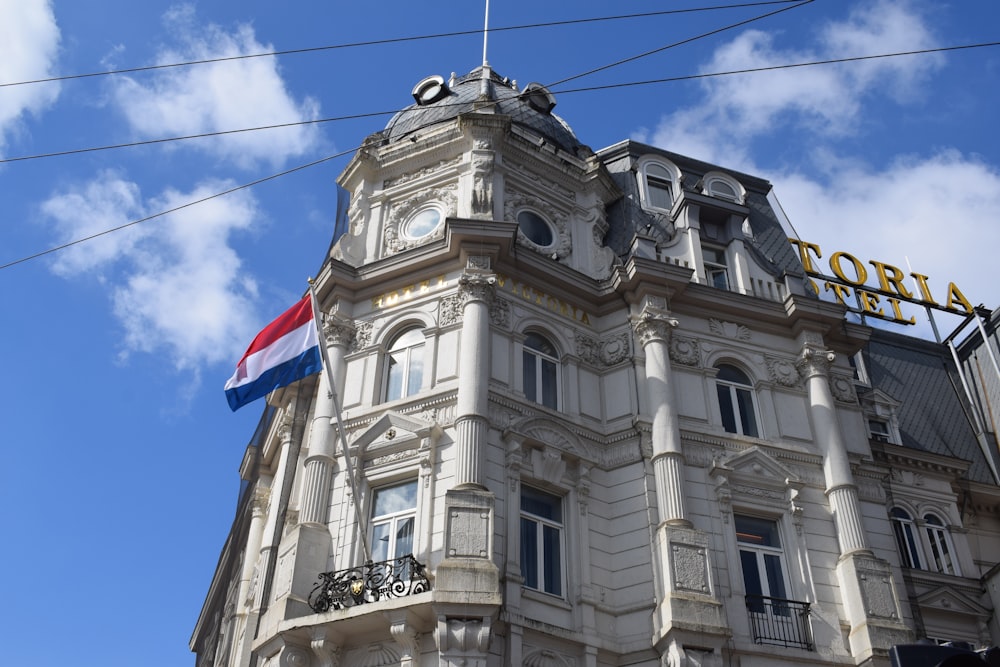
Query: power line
x=394 y=40
x=680 y=43
x=567 y=91
x=176 y=208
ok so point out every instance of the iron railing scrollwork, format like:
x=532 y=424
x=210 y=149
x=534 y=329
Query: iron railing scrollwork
x=370 y=582
x=779 y=622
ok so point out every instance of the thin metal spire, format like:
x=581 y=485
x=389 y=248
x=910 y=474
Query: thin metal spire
x=486 y=31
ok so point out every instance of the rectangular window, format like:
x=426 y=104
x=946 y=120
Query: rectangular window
x=716 y=269
x=879 y=430
x=394 y=512
x=541 y=541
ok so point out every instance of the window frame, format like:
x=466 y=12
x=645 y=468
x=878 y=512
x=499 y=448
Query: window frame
x=672 y=179
x=413 y=355
x=393 y=519
x=739 y=412
x=904 y=529
x=540 y=382
x=541 y=568
x=941 y=547
x=713 y=269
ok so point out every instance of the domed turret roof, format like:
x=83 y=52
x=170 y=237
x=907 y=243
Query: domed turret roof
x=482 y=90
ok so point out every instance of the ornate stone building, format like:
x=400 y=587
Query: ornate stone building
x=593 y=417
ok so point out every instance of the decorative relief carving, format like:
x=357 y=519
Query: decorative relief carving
x=607 y=352
x=362 y=336
x=842 y=389
x=478 y=262
x=548 y=465
x=562 y=245
x=500 y=313
x=420 y=173
x=729 y=329
x=450 y=310
x=782 y=371
x=394 y=240
x=685 y=351
x=482 y=184
x=875 y=579
x=338 y=330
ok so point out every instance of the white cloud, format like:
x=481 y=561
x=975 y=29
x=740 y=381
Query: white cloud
x=180 y=287
x=29 y=43
x=826 y=99
x=220 y=96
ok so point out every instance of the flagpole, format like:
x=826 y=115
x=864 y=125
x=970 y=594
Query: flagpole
x=362 y=528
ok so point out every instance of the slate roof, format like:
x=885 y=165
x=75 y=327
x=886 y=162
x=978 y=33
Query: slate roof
x=933 y=413
x=466 y=95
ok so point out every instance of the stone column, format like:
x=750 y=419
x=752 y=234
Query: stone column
x=687 y=607
x=245 y=618
x=814 y=364
x=867 y=591
x=320 y=463
x=471 y=422
x=653 y=327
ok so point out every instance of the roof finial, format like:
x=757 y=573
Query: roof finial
x=486 y=31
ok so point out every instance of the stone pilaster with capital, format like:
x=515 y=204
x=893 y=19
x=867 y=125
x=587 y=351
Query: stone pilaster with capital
x=477 y=289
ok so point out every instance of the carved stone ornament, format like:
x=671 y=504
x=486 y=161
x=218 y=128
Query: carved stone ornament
x=815 y=361
x=561 y=245
x=450 y=310
x=729 y=329
x=685 y=351
x=338 y=330
x=393 y=237
x=482 y=184
x=607 y=352
x=653 y=325
x=420 y=173
x=500 y=313
x=842 y=389
x=362 y=335
x=477 y=287
x=782 y=371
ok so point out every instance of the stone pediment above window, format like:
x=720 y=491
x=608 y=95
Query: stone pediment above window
x=949 y=599
x=393 y=433
x=755 y=473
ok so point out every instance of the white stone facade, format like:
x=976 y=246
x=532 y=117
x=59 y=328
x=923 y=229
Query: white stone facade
x=601 y=499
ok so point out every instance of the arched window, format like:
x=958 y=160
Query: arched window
x=541 y=371
x=906 y=538
x=405 y=365
x=723 y=186
x=737 y=402
x=940 y=544
x=659 y=185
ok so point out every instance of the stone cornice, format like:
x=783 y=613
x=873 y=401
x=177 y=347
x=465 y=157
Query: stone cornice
x=896 y=456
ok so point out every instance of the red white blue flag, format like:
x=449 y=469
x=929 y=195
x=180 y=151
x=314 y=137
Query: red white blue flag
x=285 y=351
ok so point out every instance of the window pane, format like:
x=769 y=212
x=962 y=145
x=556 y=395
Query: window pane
x=404 y=537
x=394 y=379
x=548 y=384
x=761 y=532
x=751 y=574
x=529 y=552
x=394 y=499
x=530 y=377
x=775 y=581
x=541 y=504
x=747 y=416
x=726 y=408
x=380 y=542
x=660 y=193
x=415 y=375
x=552 y=560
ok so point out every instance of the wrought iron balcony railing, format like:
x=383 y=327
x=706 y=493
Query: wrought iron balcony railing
x=779 y=622
x=370 y=582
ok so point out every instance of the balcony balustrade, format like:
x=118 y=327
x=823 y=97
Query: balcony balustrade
x=779 y=622
x=370 y=582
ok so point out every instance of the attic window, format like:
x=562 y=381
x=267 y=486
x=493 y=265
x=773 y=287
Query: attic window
x=430 y=90
x=535 y=228
x=723 y=186
x=659 y=184
x=539 y=98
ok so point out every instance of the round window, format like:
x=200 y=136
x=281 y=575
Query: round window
x=534 y=227
x=422 y=224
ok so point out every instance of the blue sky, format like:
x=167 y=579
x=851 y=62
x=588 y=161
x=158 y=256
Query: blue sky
x=121 y=452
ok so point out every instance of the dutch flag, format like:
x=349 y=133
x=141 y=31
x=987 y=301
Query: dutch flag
x=285 y=351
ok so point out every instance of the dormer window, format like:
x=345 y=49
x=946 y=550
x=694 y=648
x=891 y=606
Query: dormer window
x=659 y=185
x=722 y=186
x=716 y=269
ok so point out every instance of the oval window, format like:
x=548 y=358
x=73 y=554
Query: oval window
x=422 y=224
x=535 y=228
